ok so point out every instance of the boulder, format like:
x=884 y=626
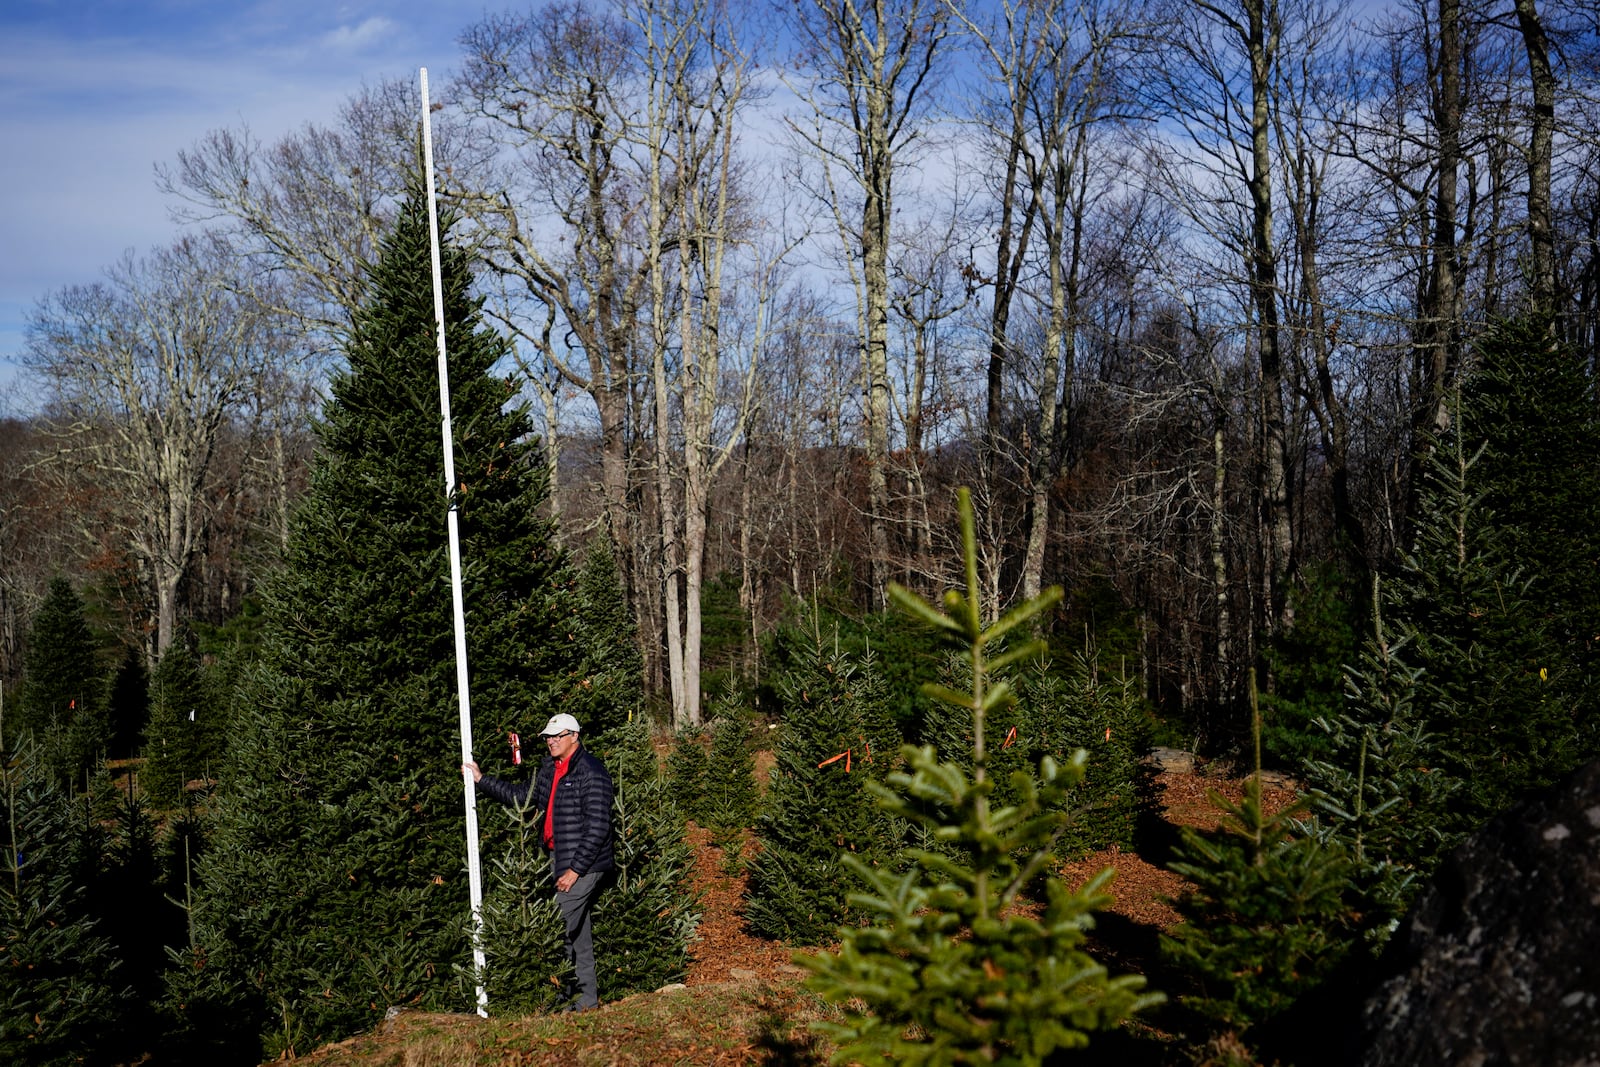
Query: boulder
x=1171 y=760
x=1498 y=964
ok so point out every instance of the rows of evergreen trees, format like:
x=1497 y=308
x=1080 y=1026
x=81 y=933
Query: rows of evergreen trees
x=1452 y=684
x=286 y=865
x=309 y=873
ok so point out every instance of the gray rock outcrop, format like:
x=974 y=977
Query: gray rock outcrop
x=1498 y=964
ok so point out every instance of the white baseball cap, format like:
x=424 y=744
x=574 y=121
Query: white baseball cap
x=560 y=724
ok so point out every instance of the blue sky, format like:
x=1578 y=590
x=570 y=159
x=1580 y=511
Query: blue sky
x=95 y=93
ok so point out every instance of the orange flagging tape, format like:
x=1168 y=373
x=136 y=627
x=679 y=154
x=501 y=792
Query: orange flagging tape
x=845 y=755
x=1011 y=738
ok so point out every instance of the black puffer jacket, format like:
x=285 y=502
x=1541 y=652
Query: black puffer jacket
x=582 y=823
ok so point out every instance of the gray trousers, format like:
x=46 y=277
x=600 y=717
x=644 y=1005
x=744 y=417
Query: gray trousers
x=576 y=904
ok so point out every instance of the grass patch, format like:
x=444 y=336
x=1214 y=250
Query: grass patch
x=712 y=1025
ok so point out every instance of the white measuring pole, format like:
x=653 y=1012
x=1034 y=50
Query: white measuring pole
x=474 y=872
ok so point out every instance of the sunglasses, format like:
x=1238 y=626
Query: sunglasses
x=556 y=737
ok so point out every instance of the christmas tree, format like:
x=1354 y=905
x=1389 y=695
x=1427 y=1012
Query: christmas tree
x=63 y=703
x=179 y=742
x=949 y=971
x=687 y=767
x=1307 y=663
x=1379 y=792
x=1530 y=403
x=335 y=886
x=1471 y=684
x=644 y=920
x=526 y=956
x=833 y=740
x=1100 y=714
x=1491 y=686
x=63 y=995
x=731 y=798
x=138 y=921
x=1266 y=915
x=1012 y=731
x=609 y=689
x=128 y=705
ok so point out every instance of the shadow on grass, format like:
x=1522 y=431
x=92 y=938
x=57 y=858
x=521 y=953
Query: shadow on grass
x=783 y=1038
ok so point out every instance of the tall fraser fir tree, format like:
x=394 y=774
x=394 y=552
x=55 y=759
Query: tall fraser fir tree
x=948 y=971
x=127 y=704
x=1475 y=680
x=64 y=689
x=835 y=737
x=182 y=740
x=1490 y=687
x=335 y=886
x=1530 y=401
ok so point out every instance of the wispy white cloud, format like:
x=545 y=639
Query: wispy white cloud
x=360 y=36
x=92 y=98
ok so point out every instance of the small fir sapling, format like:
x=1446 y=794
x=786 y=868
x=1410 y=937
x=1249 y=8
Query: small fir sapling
x=64 y=689
x=1102 y=714
x=174 y=748
x=687 y=767
x=525 y=956
x=731 y=797
x=948 y=970
x=62 y=986
x=1268 y=913
x=1378 y=791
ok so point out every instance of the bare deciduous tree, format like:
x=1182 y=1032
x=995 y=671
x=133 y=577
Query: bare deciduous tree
x=558 y=213
x=1059 y=70
x=145 y=372
x=310 y=209
x=871 y=64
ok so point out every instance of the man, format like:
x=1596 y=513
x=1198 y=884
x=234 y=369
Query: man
x=575 y=791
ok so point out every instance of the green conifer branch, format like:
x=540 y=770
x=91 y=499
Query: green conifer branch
x=947 y=972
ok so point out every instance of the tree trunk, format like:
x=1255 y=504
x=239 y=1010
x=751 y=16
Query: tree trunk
x=1541 y=236
x=1262 y=47
x=1437 y=345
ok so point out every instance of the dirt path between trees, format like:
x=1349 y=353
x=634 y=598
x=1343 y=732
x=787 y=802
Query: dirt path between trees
x=725 y=951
